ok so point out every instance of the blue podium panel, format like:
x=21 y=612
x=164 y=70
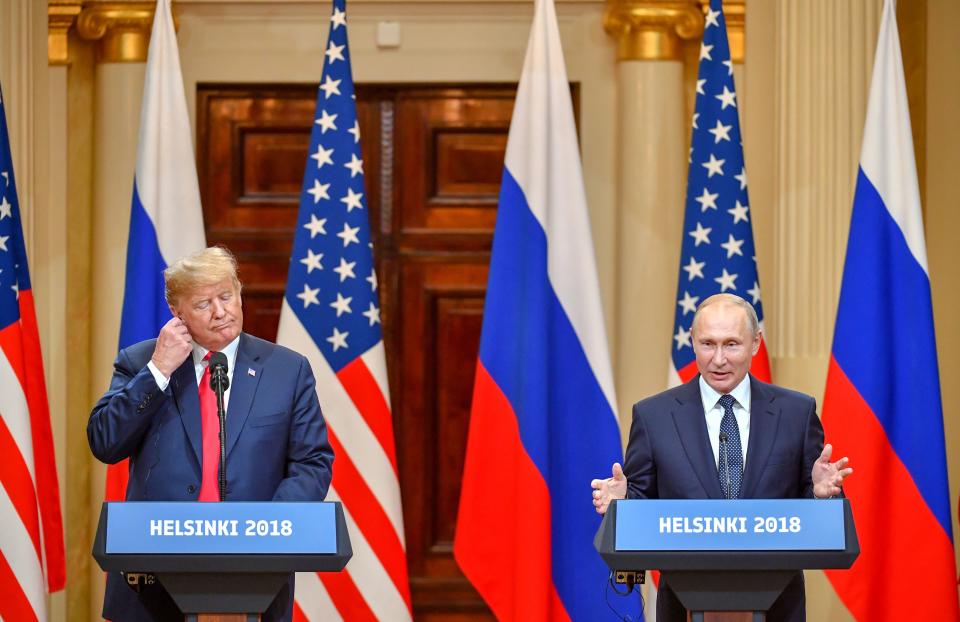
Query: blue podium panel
x=235 y=528
x=734 y=525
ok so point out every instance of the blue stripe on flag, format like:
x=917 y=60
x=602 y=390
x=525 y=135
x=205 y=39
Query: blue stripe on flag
x=566 y=424
x=895 y=371
x=145 y=309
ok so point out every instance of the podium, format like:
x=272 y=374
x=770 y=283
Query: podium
x=217 y=559
x=720 y=555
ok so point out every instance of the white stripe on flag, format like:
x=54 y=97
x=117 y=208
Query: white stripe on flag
x=887 y=155
x=543 y=155
x=345 y=421
x=369 y=575
x=17 y=548
x=650 y=602
x=376 y=361
x=13 y=409
x=313 y=599
x=166 y=175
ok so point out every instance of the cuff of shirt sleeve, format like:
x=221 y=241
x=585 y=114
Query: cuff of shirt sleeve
x=162 y=381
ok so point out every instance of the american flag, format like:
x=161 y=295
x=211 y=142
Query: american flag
x=717 y=253
x=331 y=313
x=31 y=540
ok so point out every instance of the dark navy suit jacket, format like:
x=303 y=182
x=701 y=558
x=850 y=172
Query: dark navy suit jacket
x=669 y=457
x=277 y=446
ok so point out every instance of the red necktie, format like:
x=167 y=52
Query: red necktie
x=210 y=433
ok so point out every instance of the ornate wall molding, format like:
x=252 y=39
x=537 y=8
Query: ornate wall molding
x=61 y=15
x=121 y=28
x=652 y=29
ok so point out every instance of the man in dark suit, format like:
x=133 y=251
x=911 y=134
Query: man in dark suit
x=725 y=434
x=158 y=413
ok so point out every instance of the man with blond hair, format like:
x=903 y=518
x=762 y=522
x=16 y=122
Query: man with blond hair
x=160 y=412
x=725 y=434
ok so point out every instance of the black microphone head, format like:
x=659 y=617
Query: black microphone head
x=218 y=359
x=218 y=371
x=723 y=437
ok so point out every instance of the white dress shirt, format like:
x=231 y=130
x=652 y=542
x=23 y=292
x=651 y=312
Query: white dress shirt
x=200 y=365
x=714 y=414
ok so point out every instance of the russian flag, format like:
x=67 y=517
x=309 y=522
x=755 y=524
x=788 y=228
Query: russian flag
x=166 y=221
x=882 y=405
x=543 y=419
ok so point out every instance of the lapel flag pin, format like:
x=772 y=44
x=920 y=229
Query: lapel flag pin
x=251 y=372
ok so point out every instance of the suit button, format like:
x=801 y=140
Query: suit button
x=191 y=489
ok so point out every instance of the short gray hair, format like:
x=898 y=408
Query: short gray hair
x=731 y=299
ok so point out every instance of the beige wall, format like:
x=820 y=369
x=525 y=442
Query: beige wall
x=943 y=216
x=69 y=144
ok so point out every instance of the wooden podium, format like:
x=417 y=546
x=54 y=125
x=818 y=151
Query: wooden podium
x=221 y=562
x=727 y=556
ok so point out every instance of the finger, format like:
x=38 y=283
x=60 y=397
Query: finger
x=845 y=473
x=826 y=453
x=842 y=462
x=617 y=471
x=596 y=483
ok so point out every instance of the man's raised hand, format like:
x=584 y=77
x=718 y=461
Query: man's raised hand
x=174 y=345
x=606 y=490
x=828 y=476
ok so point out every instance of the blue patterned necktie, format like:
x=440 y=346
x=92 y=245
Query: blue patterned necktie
x=731 y=452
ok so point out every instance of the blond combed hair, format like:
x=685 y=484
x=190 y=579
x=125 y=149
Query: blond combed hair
x=205 y=267
x=753 y=323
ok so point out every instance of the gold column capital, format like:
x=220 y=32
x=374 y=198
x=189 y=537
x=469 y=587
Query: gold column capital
x=652 y=29
x=61 y=15
x=735 y=13
x=121 y=28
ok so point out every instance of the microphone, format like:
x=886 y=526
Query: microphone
x=220 y=382
x=218 y=372
x=725 y=457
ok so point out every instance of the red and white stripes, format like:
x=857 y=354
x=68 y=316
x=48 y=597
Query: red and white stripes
x=356 y=406
x=31 y=531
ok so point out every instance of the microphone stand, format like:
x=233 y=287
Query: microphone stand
x=725 y=457
x=219 y=382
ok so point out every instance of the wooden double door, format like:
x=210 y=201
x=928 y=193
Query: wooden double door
x=433 y=159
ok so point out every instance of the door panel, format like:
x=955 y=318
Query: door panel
x=433 y=158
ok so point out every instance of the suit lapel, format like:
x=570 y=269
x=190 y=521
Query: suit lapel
x=692 y=428
x=242 y=388
x=187 y=398
x=764 y=420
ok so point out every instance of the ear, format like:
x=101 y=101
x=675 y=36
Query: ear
x=174 y=312
x=756 y=343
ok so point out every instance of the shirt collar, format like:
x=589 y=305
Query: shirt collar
x=230 y=351
x=711 y=396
